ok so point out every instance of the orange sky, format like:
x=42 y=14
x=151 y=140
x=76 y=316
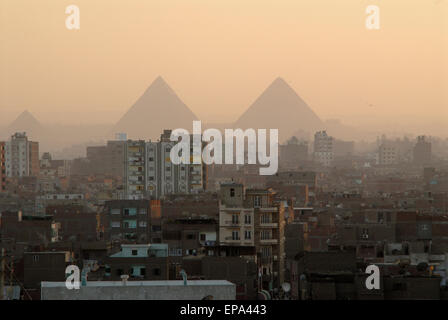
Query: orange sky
x=219 y=56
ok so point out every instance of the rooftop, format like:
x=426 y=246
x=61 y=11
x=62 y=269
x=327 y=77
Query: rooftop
x=164 y=283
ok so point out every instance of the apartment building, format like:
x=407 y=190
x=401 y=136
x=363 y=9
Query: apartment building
x=2 y=167
x=108 y=159
x=21 y=156
x=135 y=169
x=387 y=154
x=422 y=151
x=128 y=220
x=251 y=224
x=139 y=262
x=323 y=148
x=149 y=171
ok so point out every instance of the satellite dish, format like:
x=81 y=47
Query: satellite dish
x=286 y=286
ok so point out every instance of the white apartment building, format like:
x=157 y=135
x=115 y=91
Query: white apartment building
x=21 y=156
x=323 y=148
x=149 y=171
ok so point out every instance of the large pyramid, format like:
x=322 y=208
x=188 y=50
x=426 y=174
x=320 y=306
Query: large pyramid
x=157 y=109
x=26 y=122
x=280 y=107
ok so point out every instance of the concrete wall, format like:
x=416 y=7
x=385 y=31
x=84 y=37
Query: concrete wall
x=141 y=290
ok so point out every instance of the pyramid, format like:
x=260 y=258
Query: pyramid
x=280 y=107
x=26 y=122
x=157 y=109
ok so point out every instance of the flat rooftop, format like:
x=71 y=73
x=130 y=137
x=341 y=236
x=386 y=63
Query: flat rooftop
x=130 y=283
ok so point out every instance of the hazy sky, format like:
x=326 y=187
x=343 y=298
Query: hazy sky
x=219 y=55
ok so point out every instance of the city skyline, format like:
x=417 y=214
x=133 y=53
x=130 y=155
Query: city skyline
x=218 y=63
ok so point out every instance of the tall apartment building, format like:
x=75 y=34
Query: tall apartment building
x=149 y=171
x=422 y=151
x=253 y=219
x=323 y=148
x=135 y=165
x=2 y=167
x=21 y=156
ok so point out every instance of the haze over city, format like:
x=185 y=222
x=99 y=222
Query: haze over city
x=242 y=151
x=220 y=56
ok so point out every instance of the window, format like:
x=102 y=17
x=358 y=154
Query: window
x=235 y=219
x=266 y=218
x=257 y=201
x=142 y=224
x=156 y=272
x=265 y=252
x=115 y=211
x=203 y=238
x=35 y=258
x=191 y=236
x=235 y=235
x=134 y=252
x=232 y=192
x=247 y=235
x=115 y=224
x=265 y=235
x=247 y=219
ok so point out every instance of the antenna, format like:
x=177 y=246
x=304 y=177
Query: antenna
x=184 y=276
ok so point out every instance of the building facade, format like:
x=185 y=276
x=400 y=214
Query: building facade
x=323 y=148
x=252 y=219
x=21 y=156
x=150 y=173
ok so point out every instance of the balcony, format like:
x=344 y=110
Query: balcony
x=232 y=239
x=268 y=241
x=232 y=223
x=269 y=225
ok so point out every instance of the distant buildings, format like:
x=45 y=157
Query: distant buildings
x=422 y=151
x=2 y=166
x=21 y=156
x=293 y=154
x=387 y=154
x=108 y=159
x=323 y=148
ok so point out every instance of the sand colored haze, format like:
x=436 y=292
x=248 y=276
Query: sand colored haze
x=220 y=55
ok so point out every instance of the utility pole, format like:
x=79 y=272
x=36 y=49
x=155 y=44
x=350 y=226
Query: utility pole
x=2 y=271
